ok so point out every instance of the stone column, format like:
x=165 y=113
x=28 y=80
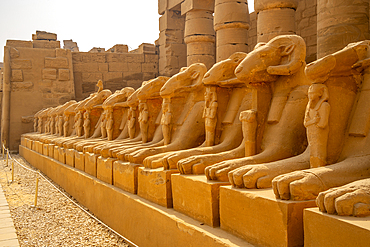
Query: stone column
x=274 y=17
x=172 y=49
x=340 y=23
x=231 y=23
x=199 y=35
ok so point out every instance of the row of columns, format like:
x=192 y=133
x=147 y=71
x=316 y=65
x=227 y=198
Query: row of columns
x=215 y=29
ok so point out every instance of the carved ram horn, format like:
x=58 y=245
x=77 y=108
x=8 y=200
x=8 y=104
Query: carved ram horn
x=292 y=46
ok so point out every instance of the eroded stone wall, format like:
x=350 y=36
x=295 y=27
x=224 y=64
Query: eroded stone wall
x=37 y=75
x=116 y=70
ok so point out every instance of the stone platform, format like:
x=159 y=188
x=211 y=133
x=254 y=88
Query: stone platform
x=259 y=218
x=141 y=221
x=324 y=230
x=197 y=197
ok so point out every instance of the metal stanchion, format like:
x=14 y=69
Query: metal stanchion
x=12 y=171
x=7 y=157
x=37 y=188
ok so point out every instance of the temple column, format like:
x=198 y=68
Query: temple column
x=199 y=35
x=274 y=18
x=231 y=23
x=340 y=23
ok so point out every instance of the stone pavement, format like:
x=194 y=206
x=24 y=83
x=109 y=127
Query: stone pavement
x=8 y=237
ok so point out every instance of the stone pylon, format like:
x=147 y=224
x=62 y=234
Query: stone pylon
x=231 y=23
x=340 y=23
x=274 y=17
x=199 y=34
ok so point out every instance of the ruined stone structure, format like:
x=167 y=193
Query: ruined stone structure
x=269 y=146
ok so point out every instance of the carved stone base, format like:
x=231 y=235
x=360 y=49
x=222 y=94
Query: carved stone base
x=104 y=170
x=70 y=157
x=45 y=149
x=258 y=217
x=323 y=229
x=29 y=143
x=38 y=147
x=90 y=164
x=62 y=155
x=155 y=185
x=79 y=160
x=196 y=197
x=51 y=150
x=56 y=152
x=125 y=175
x=142 y=222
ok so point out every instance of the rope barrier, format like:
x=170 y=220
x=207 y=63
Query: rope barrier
x=47 y=180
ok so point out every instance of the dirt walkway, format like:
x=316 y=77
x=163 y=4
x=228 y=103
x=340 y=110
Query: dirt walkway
x=56 y=221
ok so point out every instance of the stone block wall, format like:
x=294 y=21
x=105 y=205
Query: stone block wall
x=306 y=26
x=171 y=45
x=116 y=70
x=38 y=75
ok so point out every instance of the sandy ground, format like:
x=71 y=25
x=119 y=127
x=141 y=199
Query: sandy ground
x=55 y=221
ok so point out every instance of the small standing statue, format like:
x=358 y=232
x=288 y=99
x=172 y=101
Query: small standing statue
x=39 y=125
x=109 y=124
x=166 y=120
x=143 y=120
x=66 y=125
x=103 y=125
x=87 y=124
x=99 y=84
x=249 y=127
x=35 y=124
x=209 y=114
x=316 y=123
x=60 y=125
x=52 y=123
x=131 y=121
x=78 y=123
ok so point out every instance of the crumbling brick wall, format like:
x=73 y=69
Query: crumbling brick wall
x=116 y=70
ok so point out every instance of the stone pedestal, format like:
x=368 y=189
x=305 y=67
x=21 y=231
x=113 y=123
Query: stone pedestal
x=38 y=147
x=258 y=217
x=155 y=185
x=70 y=157
x=104 y=170
x=91 y=163
x=321 y=229
x=56 y=152
x=125 y=175
x=45 y=149
x=79 y=160
x=51 y=150
x=29 y=143
x=196 y=197
x=62 y=155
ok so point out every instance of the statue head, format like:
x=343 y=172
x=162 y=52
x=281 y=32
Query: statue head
x=187 y=80
x=282 y=55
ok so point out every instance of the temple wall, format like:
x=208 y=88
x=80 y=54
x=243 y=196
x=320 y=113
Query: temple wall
x=116 y=70
x=38 y=75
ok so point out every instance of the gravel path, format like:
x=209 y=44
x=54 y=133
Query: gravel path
x=56 y=221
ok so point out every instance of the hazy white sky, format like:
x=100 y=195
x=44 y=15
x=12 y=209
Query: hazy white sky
x=90 y=23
